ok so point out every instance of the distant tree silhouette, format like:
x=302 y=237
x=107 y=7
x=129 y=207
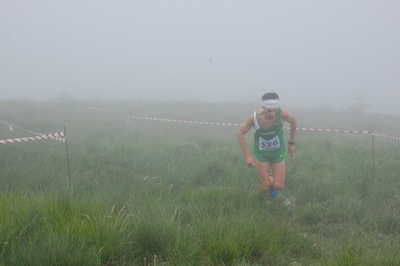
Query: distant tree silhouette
x=64 y=96
x=359 y=106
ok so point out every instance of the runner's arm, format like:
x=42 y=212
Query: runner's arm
x=242 y=141
x=287 y=116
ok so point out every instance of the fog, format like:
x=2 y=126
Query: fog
x=311 y=53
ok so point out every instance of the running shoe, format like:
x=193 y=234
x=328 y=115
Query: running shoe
x=273 y=192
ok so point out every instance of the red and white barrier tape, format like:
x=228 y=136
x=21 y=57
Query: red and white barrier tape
x=234 y=124
x=333 y=130
x=182 y=121
x=11 y=128
x=386 y=137
x=57 y=136
x=98 y=109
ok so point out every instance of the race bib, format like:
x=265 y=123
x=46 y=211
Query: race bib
x=269 y=145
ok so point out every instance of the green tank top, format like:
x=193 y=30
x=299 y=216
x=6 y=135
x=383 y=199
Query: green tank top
x=269 y=142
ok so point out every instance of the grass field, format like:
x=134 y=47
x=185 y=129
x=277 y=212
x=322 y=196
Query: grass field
x=182 y=192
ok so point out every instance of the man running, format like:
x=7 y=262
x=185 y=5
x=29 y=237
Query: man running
x=269 y=145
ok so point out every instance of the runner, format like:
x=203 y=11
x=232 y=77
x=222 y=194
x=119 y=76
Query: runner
x=269 y=145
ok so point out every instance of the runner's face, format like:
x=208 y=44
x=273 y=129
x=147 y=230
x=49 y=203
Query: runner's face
x=270 y=112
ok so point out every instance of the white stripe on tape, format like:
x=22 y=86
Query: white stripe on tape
x=57 y=136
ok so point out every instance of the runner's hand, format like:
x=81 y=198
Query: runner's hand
x=291 y=150
x=250 y=161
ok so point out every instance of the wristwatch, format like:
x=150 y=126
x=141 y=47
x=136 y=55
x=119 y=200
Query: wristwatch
x=291 y=142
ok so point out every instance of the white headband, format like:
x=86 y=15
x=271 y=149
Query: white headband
x=270 y=103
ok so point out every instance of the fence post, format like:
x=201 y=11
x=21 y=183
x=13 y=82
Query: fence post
x=129 y=121
x=66 y=148
x=373 y=156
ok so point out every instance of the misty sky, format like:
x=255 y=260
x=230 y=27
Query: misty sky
x=309 y=52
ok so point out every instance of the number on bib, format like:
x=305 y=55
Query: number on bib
x=269 y=145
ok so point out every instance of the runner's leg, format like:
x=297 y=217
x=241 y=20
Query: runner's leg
x=263 y=174
x=279 y=174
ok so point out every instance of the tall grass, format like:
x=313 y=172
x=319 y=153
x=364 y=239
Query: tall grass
x=182 y=192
